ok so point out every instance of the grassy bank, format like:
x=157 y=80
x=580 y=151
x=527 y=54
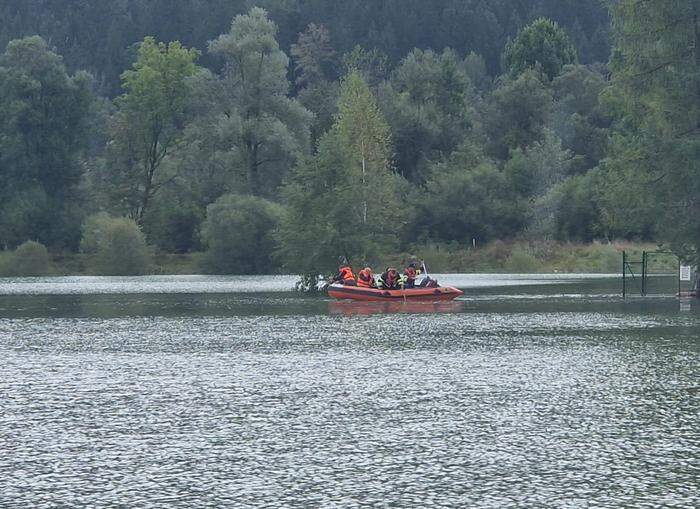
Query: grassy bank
x=503 y=257
x=534 y=257
x=78 y=264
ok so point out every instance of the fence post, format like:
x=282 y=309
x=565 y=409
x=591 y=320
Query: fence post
x=644 y=273
x=624 y=274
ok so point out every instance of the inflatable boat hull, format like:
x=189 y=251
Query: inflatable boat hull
x=373 y=294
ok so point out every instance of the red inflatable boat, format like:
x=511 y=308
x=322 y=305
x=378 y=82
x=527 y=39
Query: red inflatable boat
x=338 y=291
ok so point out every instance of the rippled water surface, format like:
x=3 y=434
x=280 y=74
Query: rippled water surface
x=530 y=391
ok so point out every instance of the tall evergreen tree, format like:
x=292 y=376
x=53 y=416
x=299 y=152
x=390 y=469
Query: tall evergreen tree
x=541 y=45
x=316 y=69
x=343 y=201
x=656 y=67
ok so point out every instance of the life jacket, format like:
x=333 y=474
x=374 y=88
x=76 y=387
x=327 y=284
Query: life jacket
x=364 y=278
x=410 y=273
x=392 y=278
x=346 y=274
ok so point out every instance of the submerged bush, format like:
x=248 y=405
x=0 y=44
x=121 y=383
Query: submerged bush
x=29 y=259
x=118 y=245
x=239 y=235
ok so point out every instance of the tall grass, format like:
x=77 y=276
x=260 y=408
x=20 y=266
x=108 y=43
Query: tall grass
x=531 y=257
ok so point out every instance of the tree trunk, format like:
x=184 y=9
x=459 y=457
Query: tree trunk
x=146 y=198
x=253 y=180
x=364 y=184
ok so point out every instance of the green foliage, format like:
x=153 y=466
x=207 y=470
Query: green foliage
x=117 y=245
x=98 y=35
x=29 y=259
x=42 y=125
x=148 y=125
x=534 y=172
x=343 y=200
x=522 y=262
x=321 y=99
x=541 y=45
x=465 y=202
x=524 y=257
x=429 y=104
x=581 y=119
x=372 y=64
x=238 y=233
x=570 y=210
x=94 y=229
x=517 y=113
x=413 y=145
x=538 y=167
x=173 y=224
x=258 y=128
x=656 y=152
x=477 y=72
x=316 y=69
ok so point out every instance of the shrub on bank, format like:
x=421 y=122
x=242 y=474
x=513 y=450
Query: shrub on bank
x=117 y=245
x=533 y=256
x=238 y=233
x=521 y=261
x=29 y=259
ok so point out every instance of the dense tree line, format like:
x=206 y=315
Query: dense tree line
x=99 y=35
x=308 y=130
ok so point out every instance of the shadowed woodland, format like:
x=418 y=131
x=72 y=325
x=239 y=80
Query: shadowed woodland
x=277 y=135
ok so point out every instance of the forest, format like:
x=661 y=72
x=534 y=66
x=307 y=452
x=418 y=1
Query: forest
x=277 y=135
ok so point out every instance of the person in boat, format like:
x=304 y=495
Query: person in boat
x=390 y=279
x=365 y=278
x=345 y=275
x=409 y=276
x=426 y=281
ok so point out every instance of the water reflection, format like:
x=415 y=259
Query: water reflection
x=350 y=308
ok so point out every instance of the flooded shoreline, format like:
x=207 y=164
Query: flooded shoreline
x=91 y=285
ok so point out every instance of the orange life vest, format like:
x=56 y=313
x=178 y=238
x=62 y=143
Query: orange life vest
x=346 y=274
x=364 y=278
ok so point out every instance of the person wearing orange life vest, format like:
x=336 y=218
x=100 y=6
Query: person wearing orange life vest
x=365 y=278
x=345 y=275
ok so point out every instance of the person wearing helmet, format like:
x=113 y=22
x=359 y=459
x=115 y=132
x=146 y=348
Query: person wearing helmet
x=345 y=274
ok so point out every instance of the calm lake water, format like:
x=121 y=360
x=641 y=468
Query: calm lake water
x=530 y=391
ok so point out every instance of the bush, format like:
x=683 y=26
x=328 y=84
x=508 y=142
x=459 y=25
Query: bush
x=238 y=233
x=29 y=259
x=118 y=245
x=521 y=261
x=5 y=263
x=173 y=226
x=93 y=229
